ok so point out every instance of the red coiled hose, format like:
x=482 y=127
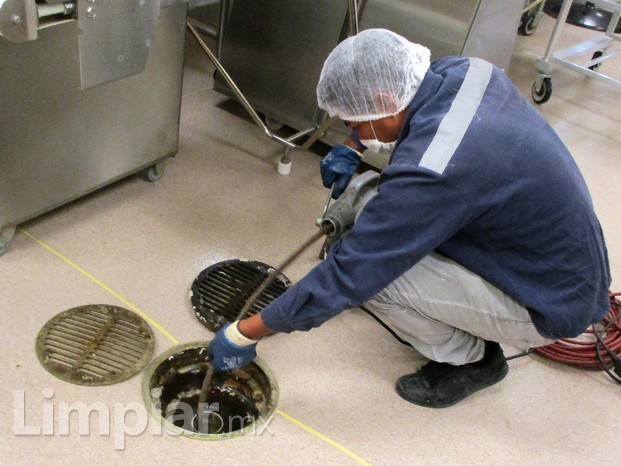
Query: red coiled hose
x=582 y=351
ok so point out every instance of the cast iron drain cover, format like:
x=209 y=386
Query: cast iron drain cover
x=220 y=291
x=95 y=345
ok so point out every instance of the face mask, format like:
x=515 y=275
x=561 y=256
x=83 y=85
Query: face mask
x=377 y=145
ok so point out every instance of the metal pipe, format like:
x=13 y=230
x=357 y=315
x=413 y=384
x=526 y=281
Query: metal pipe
x=209 y=31
x=352 y=13
x=300 y=134
x=320 y=131
x=531 y=6
x=612 y=24
x=317 y=132
x=222 y=20
x=558 y=27
x=66 y=8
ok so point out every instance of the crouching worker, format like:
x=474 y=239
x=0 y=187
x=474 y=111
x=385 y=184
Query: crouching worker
x=482 y=232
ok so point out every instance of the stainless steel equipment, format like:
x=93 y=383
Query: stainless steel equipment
x=585 y=57
x=274 y=49
x=289 y=143
x=91 y=92
x=477 y=28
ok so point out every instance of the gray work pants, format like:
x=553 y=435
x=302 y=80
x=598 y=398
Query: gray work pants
x=445 y=312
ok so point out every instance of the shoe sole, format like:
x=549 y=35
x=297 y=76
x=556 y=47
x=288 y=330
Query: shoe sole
x=451 y=402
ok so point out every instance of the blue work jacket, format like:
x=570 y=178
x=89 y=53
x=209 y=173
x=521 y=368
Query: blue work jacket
x=479 y=176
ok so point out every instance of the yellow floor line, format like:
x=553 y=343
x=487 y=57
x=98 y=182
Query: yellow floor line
x=319 y=435
x=155 y=324
x=142 y=314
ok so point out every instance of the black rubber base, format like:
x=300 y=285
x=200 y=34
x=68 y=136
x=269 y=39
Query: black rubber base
x=582 y=14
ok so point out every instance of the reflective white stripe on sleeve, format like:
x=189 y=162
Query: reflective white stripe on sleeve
x=457 y=120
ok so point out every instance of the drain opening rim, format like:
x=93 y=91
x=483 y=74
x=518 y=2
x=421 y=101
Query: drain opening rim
x=257 y=425
x=95 y=345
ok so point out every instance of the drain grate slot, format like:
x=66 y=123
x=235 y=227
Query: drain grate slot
x=219 y=292
x=95 y=345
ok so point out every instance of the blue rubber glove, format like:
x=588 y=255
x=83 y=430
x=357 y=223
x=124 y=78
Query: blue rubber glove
x=225 y=355
x=338 y=167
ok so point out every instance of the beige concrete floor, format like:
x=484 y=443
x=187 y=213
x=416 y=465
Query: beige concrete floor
x=140 y=245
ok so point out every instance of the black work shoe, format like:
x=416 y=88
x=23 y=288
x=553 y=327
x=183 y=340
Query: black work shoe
x=439 y=384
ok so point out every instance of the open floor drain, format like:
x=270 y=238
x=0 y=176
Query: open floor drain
x=95 y=345
x=220 y=291
x=239 y=402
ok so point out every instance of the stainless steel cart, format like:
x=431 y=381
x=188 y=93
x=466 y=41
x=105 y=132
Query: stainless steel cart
x=585 y=57
x=90 y=93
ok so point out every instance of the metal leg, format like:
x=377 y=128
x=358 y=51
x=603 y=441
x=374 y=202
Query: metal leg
x=612 y=25
x=599 y=56
x=284 y=164
x=542 y=87
x=6 y=234
x=558 y=29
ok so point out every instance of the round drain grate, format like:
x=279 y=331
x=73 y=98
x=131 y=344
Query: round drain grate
x=95 y=345
x=220 y=291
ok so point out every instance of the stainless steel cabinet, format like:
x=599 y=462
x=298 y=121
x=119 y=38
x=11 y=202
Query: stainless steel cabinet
x=58 y=142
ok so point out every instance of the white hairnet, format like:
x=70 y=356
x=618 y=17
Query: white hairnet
x=371 y=75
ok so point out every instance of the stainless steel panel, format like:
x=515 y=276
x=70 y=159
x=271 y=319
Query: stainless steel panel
x=115 y=38
x=58 y=142
x=440 y=25
x=476 y=28
x=274 y=51
x=18 y=20
x=493 y=31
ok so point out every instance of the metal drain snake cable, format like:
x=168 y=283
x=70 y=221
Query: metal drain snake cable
x=271 y=276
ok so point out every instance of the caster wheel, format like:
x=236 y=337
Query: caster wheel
x=6 y=234
x=528 y=24
x=596 y=54
x=273 y=123
x=155 y=172
x=544 y=93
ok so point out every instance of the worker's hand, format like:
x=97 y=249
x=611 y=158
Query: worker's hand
x=338 y=167
x=230 y=349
